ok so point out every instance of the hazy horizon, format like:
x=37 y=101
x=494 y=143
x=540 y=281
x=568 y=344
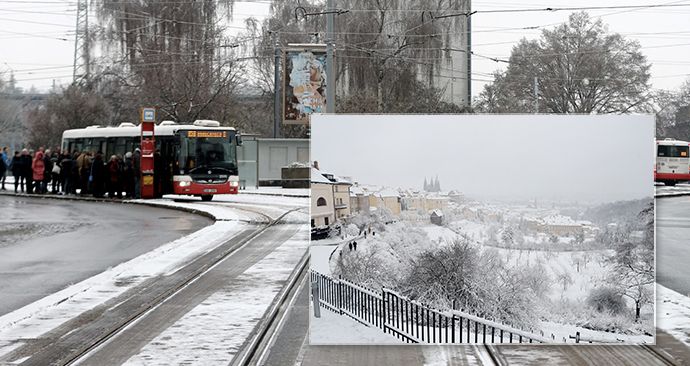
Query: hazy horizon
x=503 y=157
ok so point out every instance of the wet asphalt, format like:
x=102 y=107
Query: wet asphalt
x=47 y=245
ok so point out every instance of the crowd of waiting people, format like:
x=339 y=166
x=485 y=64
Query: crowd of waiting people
x=61 y=172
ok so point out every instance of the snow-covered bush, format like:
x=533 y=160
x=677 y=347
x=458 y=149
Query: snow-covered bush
x=606 y=299
x=351 y=230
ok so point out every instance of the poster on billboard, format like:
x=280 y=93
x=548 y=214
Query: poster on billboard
x=304 y=82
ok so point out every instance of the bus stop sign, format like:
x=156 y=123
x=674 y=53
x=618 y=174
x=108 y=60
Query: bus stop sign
x=148 y=115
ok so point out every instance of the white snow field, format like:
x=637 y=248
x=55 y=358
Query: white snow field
x=673 y=313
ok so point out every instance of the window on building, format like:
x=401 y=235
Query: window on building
x=313 y=223
x=325 y=220
x=321 y=202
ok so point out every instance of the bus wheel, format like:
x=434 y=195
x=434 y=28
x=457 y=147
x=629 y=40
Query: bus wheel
x=206 y=197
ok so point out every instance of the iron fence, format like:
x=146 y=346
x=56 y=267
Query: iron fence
x=409 y=320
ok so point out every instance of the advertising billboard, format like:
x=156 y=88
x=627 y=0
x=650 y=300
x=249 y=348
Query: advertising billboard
x=304 y=82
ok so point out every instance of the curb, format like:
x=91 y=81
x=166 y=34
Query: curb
x=667 y=195
x=276 y=194
x=111 y=200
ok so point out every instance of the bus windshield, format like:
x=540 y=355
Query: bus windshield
x=670 y=151
x=207 y=149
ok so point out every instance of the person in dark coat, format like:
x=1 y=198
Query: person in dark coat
x=54 y=174
x=27 y=173
x=136 y=166
x=3 y=171
x=128 y=175
x=6 y=161
x=97 y=176
x=17 y=171
x=113 y=181
x=47 y=170
x=354 y=245
x=76 y=182
x=65 y=163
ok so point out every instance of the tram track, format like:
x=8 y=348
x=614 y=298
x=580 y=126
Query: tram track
x=574 y=355
x=103 y=325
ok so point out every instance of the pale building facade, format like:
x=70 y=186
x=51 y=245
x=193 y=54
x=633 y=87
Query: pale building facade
x=330 y=198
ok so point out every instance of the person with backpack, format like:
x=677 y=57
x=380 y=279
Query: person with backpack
x=55 y=170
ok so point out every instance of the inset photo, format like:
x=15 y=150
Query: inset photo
x=472 y=229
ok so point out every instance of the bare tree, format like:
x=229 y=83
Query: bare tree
x=173 y=55
x=580 y=68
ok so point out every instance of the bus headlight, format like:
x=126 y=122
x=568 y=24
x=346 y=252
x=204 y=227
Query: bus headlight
x=185 y=184
x=234 y=183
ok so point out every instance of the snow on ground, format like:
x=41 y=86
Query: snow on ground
x=45 y=314
x=289 y=192
x=681 y=188
x=439 y=234
x=332 y=328
x=561 y=331
x=213 y=331
x=319 y=258
x=49 y=312
x=673 y=313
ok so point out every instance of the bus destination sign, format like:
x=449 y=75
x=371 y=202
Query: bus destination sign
x=207 y=134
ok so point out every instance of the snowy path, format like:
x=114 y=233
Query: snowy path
x=226 y=306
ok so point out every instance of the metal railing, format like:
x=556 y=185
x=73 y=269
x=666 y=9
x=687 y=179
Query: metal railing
x=409 y=320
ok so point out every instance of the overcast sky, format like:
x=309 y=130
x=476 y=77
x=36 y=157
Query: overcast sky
x=40 y=52
x=570 y=158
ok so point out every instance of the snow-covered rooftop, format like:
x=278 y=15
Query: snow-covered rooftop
x=318 y=176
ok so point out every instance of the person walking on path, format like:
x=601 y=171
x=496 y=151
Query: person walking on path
x=38 y=170
x=350 y=245
x=17 y=171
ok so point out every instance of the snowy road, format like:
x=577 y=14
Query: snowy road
x=47 y=245
x=673 y=243
x=196 y=299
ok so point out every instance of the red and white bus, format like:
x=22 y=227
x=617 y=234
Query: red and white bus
x=672 y=162
x=198 y=159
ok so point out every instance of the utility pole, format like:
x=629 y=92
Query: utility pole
x=536 y=96
x=82 y=49
x=277 y=112
x=330 y=69
x=469 y=53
